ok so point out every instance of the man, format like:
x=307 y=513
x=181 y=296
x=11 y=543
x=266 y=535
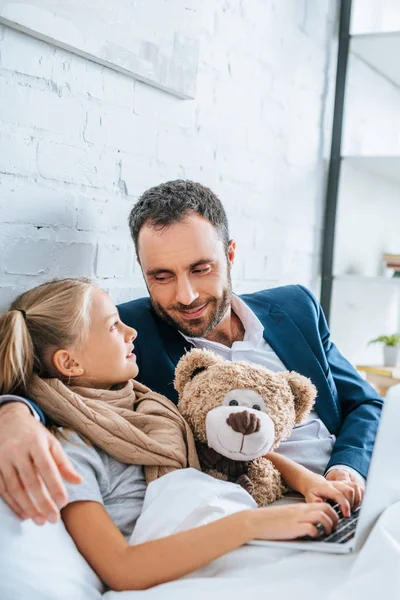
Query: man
x=180 y=232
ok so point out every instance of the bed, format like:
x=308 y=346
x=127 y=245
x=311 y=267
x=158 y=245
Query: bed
x=43 y=562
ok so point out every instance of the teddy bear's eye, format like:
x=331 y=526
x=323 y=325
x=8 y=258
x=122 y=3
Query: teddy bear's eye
x=256 y=407
x=233 y=403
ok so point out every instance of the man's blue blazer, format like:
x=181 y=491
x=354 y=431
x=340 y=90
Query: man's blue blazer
x=295 y=327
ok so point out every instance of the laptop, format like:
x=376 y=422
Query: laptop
x=382 y=490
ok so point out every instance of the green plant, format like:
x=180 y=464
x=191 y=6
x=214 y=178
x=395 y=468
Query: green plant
x=388 y=340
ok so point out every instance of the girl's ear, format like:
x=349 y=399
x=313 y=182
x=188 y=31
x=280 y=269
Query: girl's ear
x=191 y=364
x=66 y=365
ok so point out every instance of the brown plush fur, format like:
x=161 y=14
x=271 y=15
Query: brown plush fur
x=268 y=484
x=203 y=379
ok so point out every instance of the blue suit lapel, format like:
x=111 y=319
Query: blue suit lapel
x=174 y=343
x=289 y=343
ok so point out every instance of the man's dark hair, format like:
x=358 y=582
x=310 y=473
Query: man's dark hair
x=172 y=202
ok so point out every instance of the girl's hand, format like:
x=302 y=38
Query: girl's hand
x=345 y=493
x=295 y=520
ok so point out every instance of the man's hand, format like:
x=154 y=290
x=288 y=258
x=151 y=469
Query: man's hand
x=319 y=489
x=32 y=466
x=350 y=478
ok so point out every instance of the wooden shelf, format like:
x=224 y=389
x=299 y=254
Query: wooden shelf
x=392 y=372
x=382 y=378
x=381 y=51
x=386 y=167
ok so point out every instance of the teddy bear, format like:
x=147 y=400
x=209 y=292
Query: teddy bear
x=238 y=412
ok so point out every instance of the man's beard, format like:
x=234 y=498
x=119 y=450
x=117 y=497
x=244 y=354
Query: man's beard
x=199 y=327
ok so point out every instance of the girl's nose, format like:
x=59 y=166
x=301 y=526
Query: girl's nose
x=131 y=334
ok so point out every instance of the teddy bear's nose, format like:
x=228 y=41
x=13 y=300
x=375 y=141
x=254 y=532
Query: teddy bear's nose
x=244 y=422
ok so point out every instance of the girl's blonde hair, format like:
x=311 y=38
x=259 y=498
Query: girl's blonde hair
x=49 y=317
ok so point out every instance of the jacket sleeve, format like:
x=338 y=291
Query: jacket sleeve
x=36 y=411
x=360 y=405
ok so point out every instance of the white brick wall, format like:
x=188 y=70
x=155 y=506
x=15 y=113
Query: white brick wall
x=79 y=144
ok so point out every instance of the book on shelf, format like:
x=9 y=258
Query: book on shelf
x=392 y=372
x=392 y=264
x=392 y=272
x=391 y=259
x=381 y=377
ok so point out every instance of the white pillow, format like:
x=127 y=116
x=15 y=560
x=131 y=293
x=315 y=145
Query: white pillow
x=42 y=563
x=185 y=499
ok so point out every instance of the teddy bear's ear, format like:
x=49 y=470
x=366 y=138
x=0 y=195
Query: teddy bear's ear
x=191 y=364
x=304 y=393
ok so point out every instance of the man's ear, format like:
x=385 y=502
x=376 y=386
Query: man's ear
x=304 y=393
x=191 y=364
x=231 y=252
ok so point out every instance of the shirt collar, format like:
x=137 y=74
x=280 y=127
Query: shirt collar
x=253 y=327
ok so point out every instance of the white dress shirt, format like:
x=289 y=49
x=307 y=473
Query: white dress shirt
x=310 y=443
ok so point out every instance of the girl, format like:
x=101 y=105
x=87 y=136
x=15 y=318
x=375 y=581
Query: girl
x=63 y=345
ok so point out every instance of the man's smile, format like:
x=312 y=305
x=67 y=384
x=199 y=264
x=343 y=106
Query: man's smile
x=193 y=313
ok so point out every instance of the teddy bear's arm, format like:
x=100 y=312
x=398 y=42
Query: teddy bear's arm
x=246 y=483
x=216 y=474
x=267 y=481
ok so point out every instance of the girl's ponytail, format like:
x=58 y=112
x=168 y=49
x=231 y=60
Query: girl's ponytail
x=52 y=315
x=16 y=352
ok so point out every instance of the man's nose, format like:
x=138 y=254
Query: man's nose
x=185 y=293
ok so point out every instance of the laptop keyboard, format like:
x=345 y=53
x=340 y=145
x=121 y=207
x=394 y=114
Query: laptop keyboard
x=345 y=530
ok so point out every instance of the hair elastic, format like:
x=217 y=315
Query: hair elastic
x=21 y=310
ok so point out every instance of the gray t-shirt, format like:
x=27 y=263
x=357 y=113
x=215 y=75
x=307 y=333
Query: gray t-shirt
x=120 y=487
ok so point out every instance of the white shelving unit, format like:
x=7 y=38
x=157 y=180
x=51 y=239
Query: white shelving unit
x=365 y=280
x=364 y=302
x=381 y=51
x=386 y=167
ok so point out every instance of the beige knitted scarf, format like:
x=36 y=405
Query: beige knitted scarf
x=132 y=424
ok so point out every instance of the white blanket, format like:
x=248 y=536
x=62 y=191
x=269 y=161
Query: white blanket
x=43 y=563
x=187 y=499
